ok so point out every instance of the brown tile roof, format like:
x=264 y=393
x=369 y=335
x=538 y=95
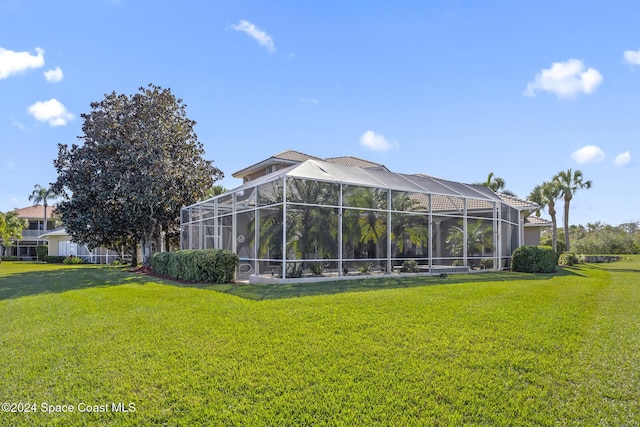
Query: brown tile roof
x=517 y=202
x=533 y=220
x=36 y=212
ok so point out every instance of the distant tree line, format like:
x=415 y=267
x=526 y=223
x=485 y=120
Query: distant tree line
x=599 y=238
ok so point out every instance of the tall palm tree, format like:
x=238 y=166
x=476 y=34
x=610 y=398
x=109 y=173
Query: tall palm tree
x=570 y=182
x=42 y=195
x=545 y=195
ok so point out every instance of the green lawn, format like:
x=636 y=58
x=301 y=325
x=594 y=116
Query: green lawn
x=488 y=349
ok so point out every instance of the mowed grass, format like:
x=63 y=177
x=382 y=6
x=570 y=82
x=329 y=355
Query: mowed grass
x=495 y=349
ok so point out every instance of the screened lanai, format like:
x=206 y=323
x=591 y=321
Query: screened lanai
x=322 y=219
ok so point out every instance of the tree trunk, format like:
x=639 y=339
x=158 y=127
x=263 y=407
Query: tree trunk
x=134 y=255
x=45 y=216
x=566 y=225
x=554 y=235
x=147 y=250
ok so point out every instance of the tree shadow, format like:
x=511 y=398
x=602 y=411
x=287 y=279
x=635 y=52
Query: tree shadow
x=293 y=290
x=64 y=279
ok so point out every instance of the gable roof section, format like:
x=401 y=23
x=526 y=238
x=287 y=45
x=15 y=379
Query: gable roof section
x=288 y=157
x=292 y=157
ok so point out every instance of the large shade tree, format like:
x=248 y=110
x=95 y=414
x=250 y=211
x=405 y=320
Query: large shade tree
x=140 y=161
x=42 y=195
x=546 y=195
x=570 y=182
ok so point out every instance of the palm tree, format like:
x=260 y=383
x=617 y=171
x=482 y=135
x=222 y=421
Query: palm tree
x=479 y=238
x=569 y=182
x=496 y=184
x=543 y=195
x=42 y=195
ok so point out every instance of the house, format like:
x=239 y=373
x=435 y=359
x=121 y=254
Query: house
x=61 y=244
x=25 y=249
x=58 y=240
x=298 y=215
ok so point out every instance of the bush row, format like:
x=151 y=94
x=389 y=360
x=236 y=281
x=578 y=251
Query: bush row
x=534 y=259
x=204 y=266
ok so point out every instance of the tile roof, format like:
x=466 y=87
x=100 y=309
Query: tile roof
x=355 y=162
x=517 y=202
x=294 y=155
x=36 y=211
x=537 y=221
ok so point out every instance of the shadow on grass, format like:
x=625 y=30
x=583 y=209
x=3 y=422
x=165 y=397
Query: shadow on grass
x=292 y=290
x=66 y=279
x=61 y=280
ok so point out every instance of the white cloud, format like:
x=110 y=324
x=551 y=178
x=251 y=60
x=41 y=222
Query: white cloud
x=54 y=76
x=51 y=111
x=12 y=63
x=623 y=159
x=565 y=79
x=588 y=154
x=373 y=141
x=257 y=34
x=309 y=101
x=632 y=57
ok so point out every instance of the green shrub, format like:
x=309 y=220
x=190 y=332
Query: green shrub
x=410 y=266
x=9 y=258
x=534 y=259
x=364 y=268
x=317 y=269
x=294 y=271
x=568 y=259
x=486 y=263
x=457 y=263
x=42 y=251
x=54 y=259
x=202 y=266
x=73 y=260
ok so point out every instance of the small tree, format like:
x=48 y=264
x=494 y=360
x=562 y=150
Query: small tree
x=545 y=195
x=11 y=226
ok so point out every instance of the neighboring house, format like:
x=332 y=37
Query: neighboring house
x=60 y=244
x=298 y=215
x=25 y=249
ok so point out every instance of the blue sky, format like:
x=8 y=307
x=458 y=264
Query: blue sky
x=455 y=89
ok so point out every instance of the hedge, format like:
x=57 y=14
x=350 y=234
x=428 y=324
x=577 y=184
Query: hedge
x=54 y=259
x=534 y=259
x=202 y=266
